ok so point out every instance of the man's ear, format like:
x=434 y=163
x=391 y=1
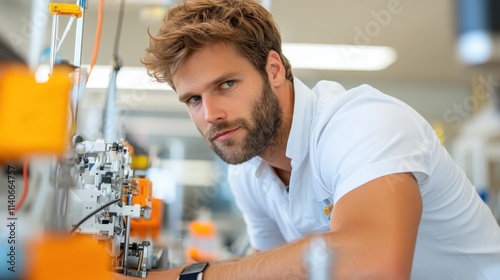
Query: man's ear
x=275 y=69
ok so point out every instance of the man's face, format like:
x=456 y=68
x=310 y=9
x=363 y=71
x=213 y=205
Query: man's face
x=233 y=107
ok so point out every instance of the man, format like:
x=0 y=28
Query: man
x=357 y=168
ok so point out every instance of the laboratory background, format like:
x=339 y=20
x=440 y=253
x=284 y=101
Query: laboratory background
x=114 y=157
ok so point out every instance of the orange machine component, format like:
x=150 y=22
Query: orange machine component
x=202 y=241
x=150 y=225
x=65 y=9
x=143 y=228
x=33 y=116
x=144 y=193
x=75 y=257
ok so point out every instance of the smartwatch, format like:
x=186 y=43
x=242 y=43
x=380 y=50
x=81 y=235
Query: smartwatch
x=194 y=271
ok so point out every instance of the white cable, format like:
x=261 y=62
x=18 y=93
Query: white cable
x=68 y=27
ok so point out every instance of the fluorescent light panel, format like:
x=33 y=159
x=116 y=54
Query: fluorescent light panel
x=128 y=78
x=339 y=57
x=301 y=56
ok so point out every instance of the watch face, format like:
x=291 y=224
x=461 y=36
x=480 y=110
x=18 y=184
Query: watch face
x=194 y=268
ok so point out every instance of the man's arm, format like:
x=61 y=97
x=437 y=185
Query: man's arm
x=374 y=228
x=373 y=233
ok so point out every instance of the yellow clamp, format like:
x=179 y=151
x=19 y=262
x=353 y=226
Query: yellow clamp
x=65 y=9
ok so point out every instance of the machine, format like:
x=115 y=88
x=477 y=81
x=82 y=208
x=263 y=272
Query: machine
x=101 y=203
x=77 y=193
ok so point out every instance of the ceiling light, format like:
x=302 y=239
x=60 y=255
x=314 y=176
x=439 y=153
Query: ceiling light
x=339 y=57
x=475 y=47
x=301 y=56
x=128 y=78
x=135 y=78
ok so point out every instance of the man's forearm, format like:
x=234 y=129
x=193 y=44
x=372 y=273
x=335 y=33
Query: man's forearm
x=284 y=262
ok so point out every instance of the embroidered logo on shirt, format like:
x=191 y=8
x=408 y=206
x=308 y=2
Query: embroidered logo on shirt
x=326 y=206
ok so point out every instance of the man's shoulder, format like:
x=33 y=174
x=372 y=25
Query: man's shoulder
x=332 y=101
x=335 y=88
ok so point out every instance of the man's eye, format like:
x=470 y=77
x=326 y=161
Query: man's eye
x=226 y=85
x=193 y=100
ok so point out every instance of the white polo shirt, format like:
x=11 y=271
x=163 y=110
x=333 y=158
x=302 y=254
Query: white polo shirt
x=342 y=139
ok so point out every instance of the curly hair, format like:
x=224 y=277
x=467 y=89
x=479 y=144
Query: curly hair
x=193 y=24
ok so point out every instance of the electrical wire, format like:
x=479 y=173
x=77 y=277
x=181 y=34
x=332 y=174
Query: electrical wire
x=109 y=127
x=93 y=213
x=65 y=33
x=25 y=188
x=97 y=40
x=119 y=25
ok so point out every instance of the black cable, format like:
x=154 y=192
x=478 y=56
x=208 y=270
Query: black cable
x=117 y=62
x=93 y=213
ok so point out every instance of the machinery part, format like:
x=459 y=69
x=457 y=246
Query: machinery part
x=65 y=9
x=137 y=259
x=20 y=103
x=105 y=181
x=75 y=227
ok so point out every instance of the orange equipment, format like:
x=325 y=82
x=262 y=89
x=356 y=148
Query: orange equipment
x=33 y=116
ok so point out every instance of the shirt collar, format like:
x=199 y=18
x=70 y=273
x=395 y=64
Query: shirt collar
x=303 y=113
x=298 y=139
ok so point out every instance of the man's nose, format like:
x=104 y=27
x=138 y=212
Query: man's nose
x=214 y=110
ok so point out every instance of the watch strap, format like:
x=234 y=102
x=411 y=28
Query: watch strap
x=191 y=272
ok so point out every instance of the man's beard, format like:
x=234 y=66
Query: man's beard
x=263 y=130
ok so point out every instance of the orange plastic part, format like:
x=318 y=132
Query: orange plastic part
x=144 y=193
x=194 y=255
x=33 y=116
x=65 y=9
x=144 y=196
x=149 y=228
x=202 y=228
x=202 y=236
x=73 y=257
